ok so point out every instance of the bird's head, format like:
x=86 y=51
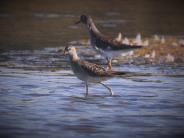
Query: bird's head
x=83 y=19
x=69 y=50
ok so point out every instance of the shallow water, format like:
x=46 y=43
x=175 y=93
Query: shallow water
x=41 y=98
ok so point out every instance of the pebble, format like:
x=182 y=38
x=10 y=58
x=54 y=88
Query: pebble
x=162 y=40
x=181 y=42
x=156 y=38
x=145 y=43
x=147 y=56
x=169 y=58
x=119 y=37
x=153 y=54
x=125 y=41
x=138 y=40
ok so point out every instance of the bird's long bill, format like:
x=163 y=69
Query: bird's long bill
x=78 y=22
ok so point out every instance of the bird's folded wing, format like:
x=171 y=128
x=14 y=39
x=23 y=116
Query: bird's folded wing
x=93 y=69
x=106 y=42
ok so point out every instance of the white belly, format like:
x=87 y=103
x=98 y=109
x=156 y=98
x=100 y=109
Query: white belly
x=92 y=79
x=84 y=76
x=115 y=53
x=111 y=53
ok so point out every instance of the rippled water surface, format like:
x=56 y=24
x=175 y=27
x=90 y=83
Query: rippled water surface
x=41 y=98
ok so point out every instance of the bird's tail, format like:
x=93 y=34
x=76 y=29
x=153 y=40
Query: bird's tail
x=128 y=74
x=133 y=74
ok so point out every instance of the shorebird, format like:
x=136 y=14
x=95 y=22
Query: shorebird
x=89 y=72
x=104 y=45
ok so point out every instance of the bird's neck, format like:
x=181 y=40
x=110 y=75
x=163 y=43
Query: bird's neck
x=93 y=32
x=92 y=27
x=74 y=57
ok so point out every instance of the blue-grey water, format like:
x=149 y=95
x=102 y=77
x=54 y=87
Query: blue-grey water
x=40 y=97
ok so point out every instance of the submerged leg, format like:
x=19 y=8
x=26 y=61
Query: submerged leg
x=109 y=64
x=86 y=89
x=110 y=90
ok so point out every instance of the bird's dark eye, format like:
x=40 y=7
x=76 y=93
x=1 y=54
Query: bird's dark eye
x=84 y=18
x=67 y=48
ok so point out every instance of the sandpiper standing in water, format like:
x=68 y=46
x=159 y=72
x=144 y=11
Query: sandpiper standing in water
x=104 y=45
x=89 y=72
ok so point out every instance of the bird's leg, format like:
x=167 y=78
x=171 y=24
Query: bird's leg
x=109 y=64
x=110 y=90
x=86 y=89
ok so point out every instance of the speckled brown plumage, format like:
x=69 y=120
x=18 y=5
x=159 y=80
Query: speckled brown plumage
x=89 y=72
x=104 y=45
x=100 y=40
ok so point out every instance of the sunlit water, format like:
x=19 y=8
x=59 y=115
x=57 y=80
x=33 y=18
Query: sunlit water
x=40 y=97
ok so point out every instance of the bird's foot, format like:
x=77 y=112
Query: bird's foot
x=111 y=93
x=109 y=65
